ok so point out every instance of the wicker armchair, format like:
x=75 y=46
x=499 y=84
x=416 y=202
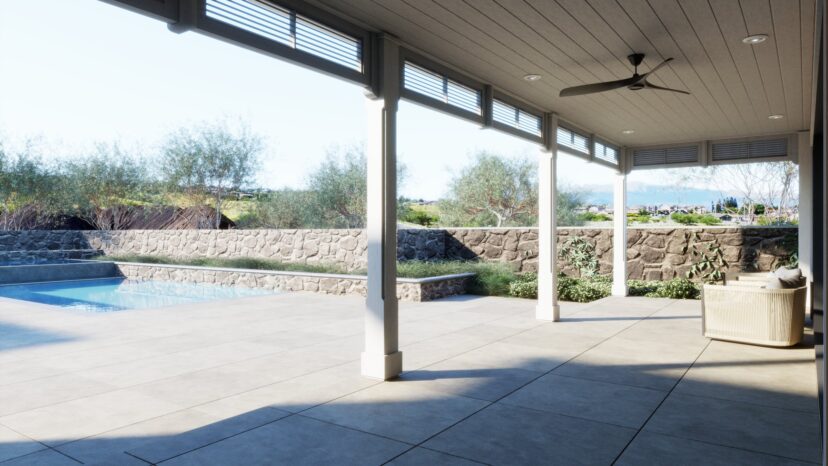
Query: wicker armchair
x=750 y=314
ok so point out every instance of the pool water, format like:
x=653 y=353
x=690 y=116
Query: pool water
x=118 y=294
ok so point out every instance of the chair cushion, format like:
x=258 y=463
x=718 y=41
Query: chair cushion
x=789 y=278
x=774 y=283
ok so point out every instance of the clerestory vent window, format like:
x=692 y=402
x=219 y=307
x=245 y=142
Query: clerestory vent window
x=666 y=156
x=766 y=148
x=288 y=28
x=606 y=153
x=515 y=117
x=573 y=140
x=439 y=87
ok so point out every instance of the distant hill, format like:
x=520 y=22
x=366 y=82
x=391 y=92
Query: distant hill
x=657 y=195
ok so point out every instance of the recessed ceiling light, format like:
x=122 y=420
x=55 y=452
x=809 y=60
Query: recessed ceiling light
x=628 y=131
x=755 y=39
x=532 y=77
x=775 y=117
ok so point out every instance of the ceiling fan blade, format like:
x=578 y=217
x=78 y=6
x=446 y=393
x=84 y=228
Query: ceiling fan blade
x=659 y=88
x=657 y=67
x=598 y=87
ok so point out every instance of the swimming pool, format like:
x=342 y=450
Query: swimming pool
x=119 y=294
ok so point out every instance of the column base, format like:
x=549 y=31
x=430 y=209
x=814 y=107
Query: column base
x=619 y=290
x=382 y=366
x=550 y=312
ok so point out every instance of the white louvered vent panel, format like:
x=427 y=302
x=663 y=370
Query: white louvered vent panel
x=286 y=27
x=441 y=88
x=665 y=156
x=646 y=157
x=573 y=140
x=516 y=118
x=769 y=148
x=606 y=153
x=744 y=150
x=688 y=154
x=730 y=151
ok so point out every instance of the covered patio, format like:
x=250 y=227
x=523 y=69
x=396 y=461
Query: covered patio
x=275 y=380
x=308 y=379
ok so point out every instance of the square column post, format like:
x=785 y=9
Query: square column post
x=547 y=307
x=382 y=358
x=805 y=251
x=619 y=236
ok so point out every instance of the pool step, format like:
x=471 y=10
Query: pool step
x=80 y=270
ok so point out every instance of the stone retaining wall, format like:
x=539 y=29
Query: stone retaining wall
x=407 y=289
x=652 y=252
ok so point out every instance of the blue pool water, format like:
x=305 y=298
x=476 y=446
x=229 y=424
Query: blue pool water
x=118 y=294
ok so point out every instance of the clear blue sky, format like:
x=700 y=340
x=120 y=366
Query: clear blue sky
x=110 y=74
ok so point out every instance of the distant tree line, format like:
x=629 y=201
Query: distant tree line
x=112 y=189
x=189 y=181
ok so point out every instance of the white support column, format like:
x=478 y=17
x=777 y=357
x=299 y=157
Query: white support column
x=806 y=206
x=382 y=358
x=619 y=236
x=547 y=306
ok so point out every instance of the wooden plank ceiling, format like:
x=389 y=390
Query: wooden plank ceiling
x=734 y=86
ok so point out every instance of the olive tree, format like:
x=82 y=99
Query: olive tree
x=30 y=192
x=210 y=160
x=106 y=186
x=340 y=187
x=494 y=190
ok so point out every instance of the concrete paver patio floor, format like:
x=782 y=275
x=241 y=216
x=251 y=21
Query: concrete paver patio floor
x=275 y=380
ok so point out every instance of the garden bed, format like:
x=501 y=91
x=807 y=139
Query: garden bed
x=417 y=280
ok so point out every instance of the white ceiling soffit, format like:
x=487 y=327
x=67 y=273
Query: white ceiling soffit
x=734 y=86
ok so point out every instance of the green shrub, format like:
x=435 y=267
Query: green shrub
x=641 y=287
x=525 y=286
x=690 y=219
x=708 y=219
x=583 y=290
x=593 y=217
x=580 y=253
x=677 y=288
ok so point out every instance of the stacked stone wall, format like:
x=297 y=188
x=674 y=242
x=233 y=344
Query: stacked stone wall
x=652 y=252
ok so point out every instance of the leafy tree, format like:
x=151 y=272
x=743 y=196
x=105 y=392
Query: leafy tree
x=106 y=185
x=340 y=187
x=494 y=190
x=29 y=190
x=286 y=208
x=210 y=160
x=497 y=191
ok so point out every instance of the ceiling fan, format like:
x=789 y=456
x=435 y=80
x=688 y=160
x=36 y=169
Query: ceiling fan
x=635 y=83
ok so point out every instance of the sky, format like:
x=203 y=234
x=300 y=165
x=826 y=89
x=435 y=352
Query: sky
x=113 y=75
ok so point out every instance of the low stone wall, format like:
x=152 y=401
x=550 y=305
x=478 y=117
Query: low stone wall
x=653 y=252
x=407 y=289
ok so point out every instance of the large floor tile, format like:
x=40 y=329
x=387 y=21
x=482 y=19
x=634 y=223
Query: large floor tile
x=598 y=401
x=775 y=431
x=459 y=377
x=12 y=444
x=169 y=446
x=650 y=449
x=300 y=393
x=45 y=458
x=64 y=422
x=503 y=354
x=295 y=440
x=425 y=457
x=510 y=435
x=400 y=410
x=23 y=396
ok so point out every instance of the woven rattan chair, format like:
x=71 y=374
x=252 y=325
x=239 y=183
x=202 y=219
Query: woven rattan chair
x=750 y=314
